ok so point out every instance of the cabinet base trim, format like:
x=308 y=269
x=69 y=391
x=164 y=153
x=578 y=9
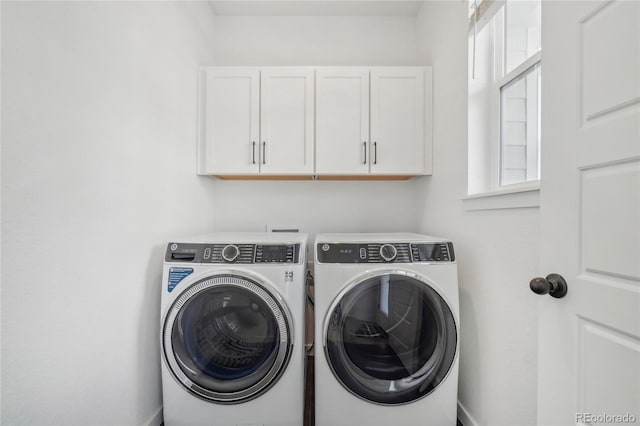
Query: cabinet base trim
x=365 y=177
x=264 y=177
x=314 y=177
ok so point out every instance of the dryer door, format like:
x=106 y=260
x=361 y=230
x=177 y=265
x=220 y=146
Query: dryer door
x=227 y=339
x=390 y=338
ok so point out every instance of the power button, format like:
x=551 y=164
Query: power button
x=325 y=247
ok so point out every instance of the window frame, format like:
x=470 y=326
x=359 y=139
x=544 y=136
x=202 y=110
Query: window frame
x=494 y=19
x=516 y=73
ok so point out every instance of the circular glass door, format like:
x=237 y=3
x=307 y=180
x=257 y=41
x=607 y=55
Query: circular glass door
x=390 y=338
x=226 y=339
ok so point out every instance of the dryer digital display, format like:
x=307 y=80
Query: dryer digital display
x=435 y=252
x=276 y=253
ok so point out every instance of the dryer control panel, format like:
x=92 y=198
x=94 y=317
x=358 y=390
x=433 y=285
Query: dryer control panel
x=391 y=252
x=232 y=253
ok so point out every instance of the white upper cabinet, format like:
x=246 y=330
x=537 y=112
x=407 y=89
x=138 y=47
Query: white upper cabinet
x=257 y=121
x=286 y=121
x=371 y=121
x=324 y=121
x=342 y=120
x=229 y=143
x=397 y=120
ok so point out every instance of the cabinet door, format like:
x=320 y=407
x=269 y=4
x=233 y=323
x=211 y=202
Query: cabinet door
x=342 y=120
x=286 y=121
x=397 y=120
x=231 y=121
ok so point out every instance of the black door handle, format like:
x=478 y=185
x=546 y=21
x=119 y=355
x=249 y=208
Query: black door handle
x=364 y=145
x=553 y=285
x=253 y=153
x=375 y=153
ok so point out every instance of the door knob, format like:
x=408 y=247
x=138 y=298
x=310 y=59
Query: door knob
x=553 y=285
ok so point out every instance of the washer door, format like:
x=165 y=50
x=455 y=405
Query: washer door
x=227 y=339
x=390 y=338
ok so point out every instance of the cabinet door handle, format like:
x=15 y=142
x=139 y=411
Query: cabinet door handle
x=253 y=153
x=264 y=152
x=375 y=153
x=364 y=146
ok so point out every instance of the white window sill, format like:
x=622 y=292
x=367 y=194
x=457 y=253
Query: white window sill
x=510 y=198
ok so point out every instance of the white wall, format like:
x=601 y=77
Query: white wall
x=319 y=206
x=98 y=172
x=315 y=40
x=497 y=250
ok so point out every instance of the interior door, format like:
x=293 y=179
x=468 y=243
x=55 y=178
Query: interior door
x=286 y=121
x=589 y=341
x=342 y=120
x=231 y=121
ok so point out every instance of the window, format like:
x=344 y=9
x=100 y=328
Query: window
x=504 y=94
x=520 y=128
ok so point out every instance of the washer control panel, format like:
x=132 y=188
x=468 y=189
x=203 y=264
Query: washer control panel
x=385 y=252
x=232 y=253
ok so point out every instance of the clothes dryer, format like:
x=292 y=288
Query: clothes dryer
x=232 y=330
x=386 y=330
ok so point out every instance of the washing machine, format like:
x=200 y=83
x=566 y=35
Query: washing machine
x=387 y=324
x=232 y=330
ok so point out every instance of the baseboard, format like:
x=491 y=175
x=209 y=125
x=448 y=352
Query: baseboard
x=464 y=417
x=155 y=419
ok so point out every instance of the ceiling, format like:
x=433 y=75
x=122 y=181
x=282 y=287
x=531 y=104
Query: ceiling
x=316 y=7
